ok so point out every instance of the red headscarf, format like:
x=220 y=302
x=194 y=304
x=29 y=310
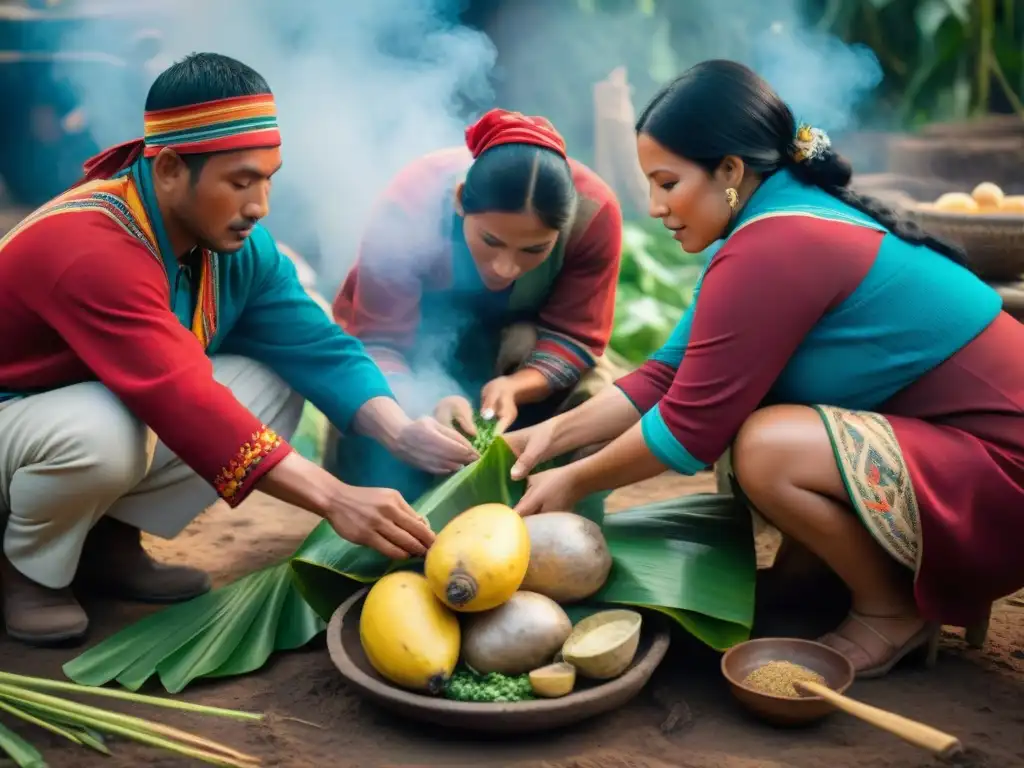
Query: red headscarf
x=499 y=126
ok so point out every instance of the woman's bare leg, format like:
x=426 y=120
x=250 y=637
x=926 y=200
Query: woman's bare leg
x=784 y=463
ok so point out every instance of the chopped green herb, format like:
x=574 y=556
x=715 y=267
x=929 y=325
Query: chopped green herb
x=484 y=432
x=493 y=687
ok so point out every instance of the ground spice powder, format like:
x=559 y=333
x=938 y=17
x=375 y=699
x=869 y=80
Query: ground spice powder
x=776 y=678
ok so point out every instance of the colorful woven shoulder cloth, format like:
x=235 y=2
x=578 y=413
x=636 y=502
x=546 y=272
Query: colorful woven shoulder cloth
x=119 y=200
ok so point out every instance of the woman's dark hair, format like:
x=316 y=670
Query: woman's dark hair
x=719 y=108
x=198 y=78
x=511 y=178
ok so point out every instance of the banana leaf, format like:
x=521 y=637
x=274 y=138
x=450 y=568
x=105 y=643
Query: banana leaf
x=311 y=434
x=19 y=750
x=691 y=558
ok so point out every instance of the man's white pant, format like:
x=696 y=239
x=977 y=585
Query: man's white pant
x=72 y=455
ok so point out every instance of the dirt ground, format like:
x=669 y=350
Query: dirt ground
x=685 y=718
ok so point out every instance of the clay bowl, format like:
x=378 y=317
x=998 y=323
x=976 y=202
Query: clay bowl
x=590 y=698
x=740 y=660
x=994 y=241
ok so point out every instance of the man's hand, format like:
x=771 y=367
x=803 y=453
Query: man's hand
x=498 y=400
x=372 y=517
x=429 y=445
x=456 y=410
x=380 y=518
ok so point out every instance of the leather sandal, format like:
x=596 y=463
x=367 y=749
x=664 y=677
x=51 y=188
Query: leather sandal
x=927 y=638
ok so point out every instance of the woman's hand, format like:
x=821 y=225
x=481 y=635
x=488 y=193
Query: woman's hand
x=456 y=410
x=552 y=491
x=533 y=445
x=431 y=446
x=498 y=397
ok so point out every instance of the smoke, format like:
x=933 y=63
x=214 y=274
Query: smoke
x=366 y=87
x=362 y=89
x=826 y=82
x=823 y=79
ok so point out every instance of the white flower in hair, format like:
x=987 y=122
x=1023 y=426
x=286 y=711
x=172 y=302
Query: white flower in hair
x=810 y=143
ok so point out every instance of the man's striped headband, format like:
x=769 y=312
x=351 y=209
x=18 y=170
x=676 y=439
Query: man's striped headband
x=241 y=122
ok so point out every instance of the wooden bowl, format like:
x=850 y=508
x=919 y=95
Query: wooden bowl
x=740 y=660
x=994 y=241
x=590 y=698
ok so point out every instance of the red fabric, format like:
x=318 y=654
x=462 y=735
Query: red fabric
x=379 y=301
x=112 y=160
x=83 y=300
x=647 y=384
x=961 y=431
x=718 y=386
x=499 y=126
x=582 y=302
x=960 y=427
x=270 y=137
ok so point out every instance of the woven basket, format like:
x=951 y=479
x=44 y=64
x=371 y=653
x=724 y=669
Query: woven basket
x=967 y=162
x=994 y=241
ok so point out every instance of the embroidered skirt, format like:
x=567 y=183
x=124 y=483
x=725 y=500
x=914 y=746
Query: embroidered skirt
x=938 y=478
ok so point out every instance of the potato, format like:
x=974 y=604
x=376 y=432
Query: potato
x=569 y=557
x=1012 y=204
x=957 y=202
x=988 y=196
x=521 y=634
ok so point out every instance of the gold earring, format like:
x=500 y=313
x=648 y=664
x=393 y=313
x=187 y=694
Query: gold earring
x=732 y=197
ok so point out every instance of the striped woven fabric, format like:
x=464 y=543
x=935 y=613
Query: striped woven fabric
x=243 y=122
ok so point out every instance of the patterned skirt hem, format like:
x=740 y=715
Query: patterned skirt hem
x=877 y=480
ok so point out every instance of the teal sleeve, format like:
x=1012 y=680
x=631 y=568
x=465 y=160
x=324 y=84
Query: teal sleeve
x=663 y=444
x=672 y=351
x=645 y=386
x=658 y=437
x=286 y=330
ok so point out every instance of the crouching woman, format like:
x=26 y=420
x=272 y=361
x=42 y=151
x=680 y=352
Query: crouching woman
x=870 y=385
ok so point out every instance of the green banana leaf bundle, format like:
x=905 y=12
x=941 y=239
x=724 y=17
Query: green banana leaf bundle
x=691 y=558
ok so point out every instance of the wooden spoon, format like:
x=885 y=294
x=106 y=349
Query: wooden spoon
x=920 y=735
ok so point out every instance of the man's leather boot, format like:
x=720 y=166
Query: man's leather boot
x=115 y=564
x=38 y=615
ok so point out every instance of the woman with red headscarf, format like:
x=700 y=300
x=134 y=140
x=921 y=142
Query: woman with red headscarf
x=486 y=278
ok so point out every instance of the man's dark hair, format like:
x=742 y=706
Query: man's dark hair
x=201 y=77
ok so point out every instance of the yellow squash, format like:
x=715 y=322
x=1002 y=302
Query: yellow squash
x=479 y=559
x=407 y=635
